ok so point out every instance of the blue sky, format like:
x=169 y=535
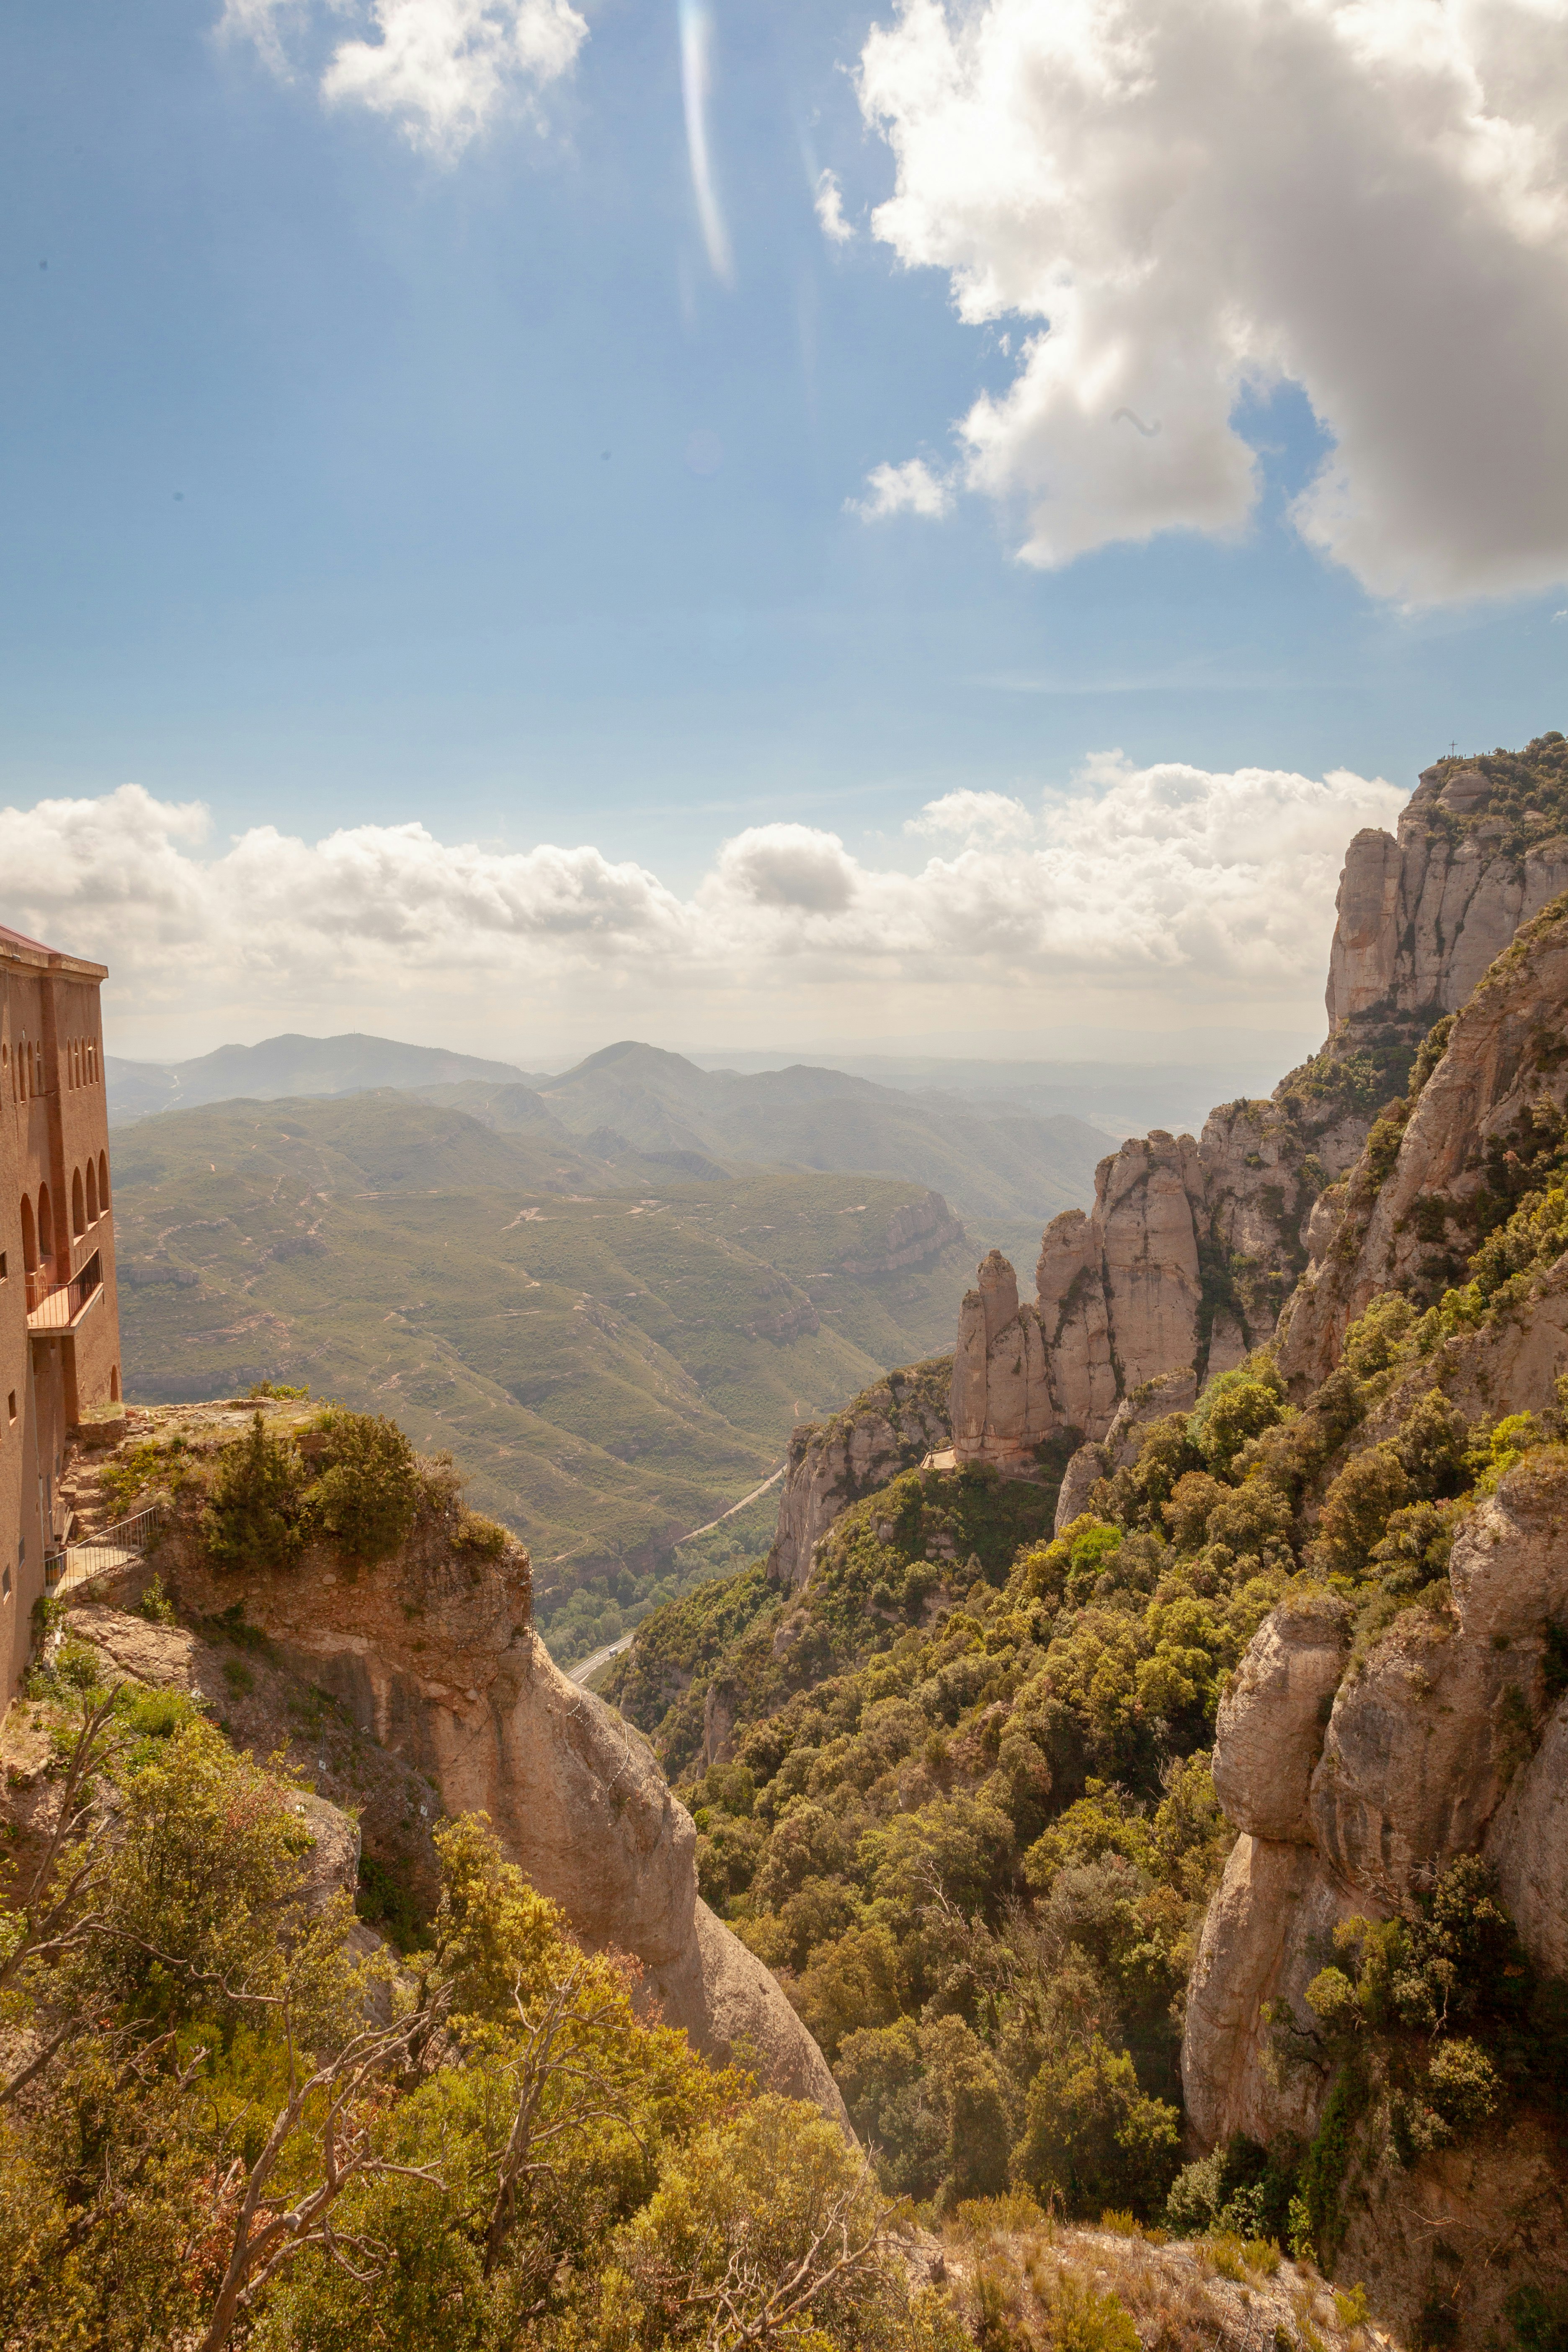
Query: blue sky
x=350 y=484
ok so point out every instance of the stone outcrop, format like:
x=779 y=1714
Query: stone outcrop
x=432 y=1656
x=1420 y=918
x=1448 y=1738
x=915 y=1233
x=1170 y=1392
x=888 y=1427
x=1191 y=1249
x=1181 y=1266
x=1409 y=1228
x=426 y=1673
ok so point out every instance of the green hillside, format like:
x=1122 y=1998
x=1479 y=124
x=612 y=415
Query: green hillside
x=1006 y=1169
x=611 y=1367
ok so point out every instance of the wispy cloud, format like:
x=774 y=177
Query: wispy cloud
x=829 y=204
x=442 y=69
x=696 y=87
x=909 y=489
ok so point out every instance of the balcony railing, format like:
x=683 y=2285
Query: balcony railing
x=103 y=1554
x=60 y=1305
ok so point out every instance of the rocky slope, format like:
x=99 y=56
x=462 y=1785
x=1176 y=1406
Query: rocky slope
x=430 y=1654
x=1191 y=1248
x=831 y=1463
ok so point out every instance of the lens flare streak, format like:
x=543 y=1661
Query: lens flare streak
x=695 y=82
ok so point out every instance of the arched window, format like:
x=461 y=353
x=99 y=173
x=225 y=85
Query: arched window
x=92 y=1191
x=29 y=1238
x=79 y=1212
x=102 y=1181
x=46 y=1225
x=114 y=1384
x=38 y=1086
x=24 y=1063
x=92 y=1062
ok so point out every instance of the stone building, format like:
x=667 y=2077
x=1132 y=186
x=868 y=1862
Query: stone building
x=59 y=1325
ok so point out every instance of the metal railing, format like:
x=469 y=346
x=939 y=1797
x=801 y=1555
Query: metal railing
x=103 y=1553
x=54 y=1307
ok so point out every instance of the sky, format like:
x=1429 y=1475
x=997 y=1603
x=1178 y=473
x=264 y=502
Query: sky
x=526 y=522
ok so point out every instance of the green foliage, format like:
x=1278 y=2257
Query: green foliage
x=148 y=1466
x=253 y=1514
x=368 y=1491
x=1540 y=2322
x=475 y=1533
x=1240 y=2189
x=1091 y=2138
x=155 y=1604
x=514 y=2160
x=1085 y=2318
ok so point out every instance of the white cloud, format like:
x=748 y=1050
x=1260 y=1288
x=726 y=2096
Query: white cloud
x=830 y=209
x=1367 y=198
x=909 y=489
x=442 y=69
x=974 y=817
x=1153 y=889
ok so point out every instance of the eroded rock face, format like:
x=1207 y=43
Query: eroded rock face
x=432 y=1654
x=1192 y=1250
x=888 y=1428
x=1272 y=1719
x=1503 y=1055
x=1527 y=1844
x=1421 y=918
x=1448 y=1738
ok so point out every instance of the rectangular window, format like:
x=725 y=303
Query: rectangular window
x=4 y=1584
x=3 y=1267
x=11 y=1405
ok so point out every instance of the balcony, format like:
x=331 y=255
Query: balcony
x=55 y=1309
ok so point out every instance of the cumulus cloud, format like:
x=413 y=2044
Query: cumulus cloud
x=909 y=489
x=974 y=817
x=830 y=209
x=443 y=70
x=1365 y=198
x=1189 y=886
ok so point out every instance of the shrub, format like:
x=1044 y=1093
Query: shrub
x=368 y=1493
x=1357 y=1508
x=1083 y=2319
x=252 y=1516
x=474 y=1532
x=155 y=1604
x=1091 y=2138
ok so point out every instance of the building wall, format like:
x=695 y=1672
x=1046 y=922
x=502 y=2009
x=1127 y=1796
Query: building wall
x=54 y=1134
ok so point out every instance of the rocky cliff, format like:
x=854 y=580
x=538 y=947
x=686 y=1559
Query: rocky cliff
x=431 y=1655
x=1191 y=1248
x=1440 y=1174
x=831 y=1463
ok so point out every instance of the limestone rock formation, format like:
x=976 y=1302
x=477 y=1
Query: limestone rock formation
x=431 y=1654
x=1421 y=918
x=1429 y=1751
x=887 y=1428
x=1405 y=1226
x=1191 y=1249
x=1527 y=1844
x=1272 y=1719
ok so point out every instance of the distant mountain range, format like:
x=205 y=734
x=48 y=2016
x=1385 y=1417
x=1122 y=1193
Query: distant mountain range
x=614 y=1355
x=285 y=1066
x=1006 y=1165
